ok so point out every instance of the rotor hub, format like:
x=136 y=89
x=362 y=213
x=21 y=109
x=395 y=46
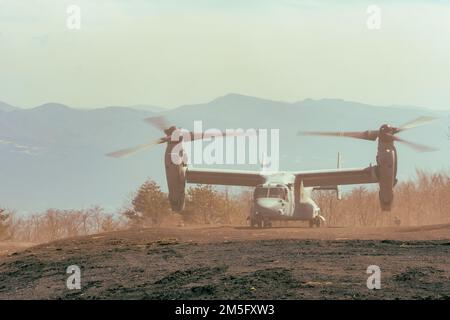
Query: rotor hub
x=170 y=130
x=386 y=133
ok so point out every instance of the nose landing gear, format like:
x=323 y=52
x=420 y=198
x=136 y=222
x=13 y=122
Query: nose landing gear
x=259 y=222
x=315 y=222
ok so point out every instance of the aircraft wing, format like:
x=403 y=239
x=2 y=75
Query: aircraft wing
x=319 y=178
x=224 y=177
x=335 y=177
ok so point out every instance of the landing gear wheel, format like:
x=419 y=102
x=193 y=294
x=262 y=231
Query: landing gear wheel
x=267 y=224
x=256 y=222
x=317 y=222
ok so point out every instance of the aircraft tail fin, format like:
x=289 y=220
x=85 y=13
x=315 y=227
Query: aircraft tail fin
x=336 y=187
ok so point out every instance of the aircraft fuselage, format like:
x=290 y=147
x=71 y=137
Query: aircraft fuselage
x=278 y=199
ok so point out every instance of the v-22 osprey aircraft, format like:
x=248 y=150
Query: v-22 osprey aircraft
x=282 y=195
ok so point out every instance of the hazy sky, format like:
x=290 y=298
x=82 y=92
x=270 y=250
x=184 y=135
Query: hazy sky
x=172 y=52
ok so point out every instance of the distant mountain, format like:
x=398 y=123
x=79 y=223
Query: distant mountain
x=144 y=107
x=54 y=155
x=7 y=107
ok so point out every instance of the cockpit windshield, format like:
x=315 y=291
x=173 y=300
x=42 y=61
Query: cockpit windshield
x=277 y=193
x=274 y=192
x=261 y=193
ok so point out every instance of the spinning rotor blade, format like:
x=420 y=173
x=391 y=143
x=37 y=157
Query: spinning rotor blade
x=417 y=146
x=158 y=122
x=218 y=134
x=133 y=150
x=386 y=133
x=364 y=135
x=416 y=123
x=161 y=123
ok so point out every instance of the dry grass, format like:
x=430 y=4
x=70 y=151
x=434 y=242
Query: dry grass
x=420 y=201
x=424 y=200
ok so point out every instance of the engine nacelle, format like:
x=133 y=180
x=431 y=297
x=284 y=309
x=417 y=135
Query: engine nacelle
x=175 y=164
x=387 y=172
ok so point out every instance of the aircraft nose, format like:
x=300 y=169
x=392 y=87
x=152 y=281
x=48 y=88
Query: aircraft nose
x=273 y=205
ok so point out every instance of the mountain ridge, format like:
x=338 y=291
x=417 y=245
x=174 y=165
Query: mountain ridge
x=228 y=98
x=54 y=155
x=5 y=107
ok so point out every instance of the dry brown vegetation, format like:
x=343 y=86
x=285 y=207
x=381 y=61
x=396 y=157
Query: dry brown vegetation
x=420 y=201
x=58 y=224
x=204 y=205
x=4 y=223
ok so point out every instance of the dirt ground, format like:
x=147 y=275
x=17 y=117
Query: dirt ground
x=7 y=247
x=235 y=263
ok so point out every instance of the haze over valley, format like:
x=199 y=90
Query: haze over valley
x=53 y=156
